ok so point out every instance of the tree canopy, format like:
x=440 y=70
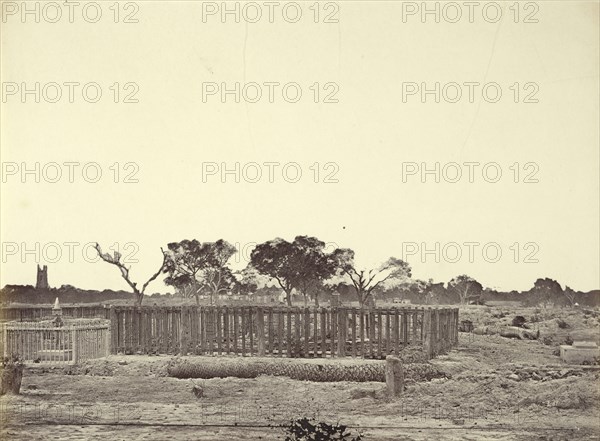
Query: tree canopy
x=195 y=267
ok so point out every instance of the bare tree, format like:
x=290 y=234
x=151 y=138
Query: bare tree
x=115 y=260
x=365 y=281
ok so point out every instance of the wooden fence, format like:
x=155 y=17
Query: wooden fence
x=28 y=314
x=282 y=332
x=41 y=343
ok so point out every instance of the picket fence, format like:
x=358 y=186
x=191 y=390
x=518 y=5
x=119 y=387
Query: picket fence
x=282 y=331
x=40 y=343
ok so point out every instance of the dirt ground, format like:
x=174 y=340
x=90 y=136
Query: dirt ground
x=496 y=389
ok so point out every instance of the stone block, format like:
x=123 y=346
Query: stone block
x=580 y=353
x=394 y=376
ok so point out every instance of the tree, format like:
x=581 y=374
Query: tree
x=249 y=280
x=545 y=292
x=196 y=267
x=434 y=293
x=185 y=260
x=417 y=289
x=274 y=259
x=246 y=281
x=217 y=277
x=312 y=266
x=466 y=288
x=570 y=295
x=115 y=260
x=366 y=281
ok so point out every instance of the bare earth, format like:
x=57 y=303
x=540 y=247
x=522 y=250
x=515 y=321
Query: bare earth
x=498 y=389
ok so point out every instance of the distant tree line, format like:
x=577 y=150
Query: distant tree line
x=300 y=268
x=66 y=293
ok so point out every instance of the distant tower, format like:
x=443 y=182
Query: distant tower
x=42 y=278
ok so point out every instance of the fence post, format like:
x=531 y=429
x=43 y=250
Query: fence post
x=114 y=330
x=75 y=340
x=260 y=335
x=341 y=327
x=448 y=329
x=307 y=332
x=438 y=330
x=427 y=347
x=456 y=326
x=106 y=351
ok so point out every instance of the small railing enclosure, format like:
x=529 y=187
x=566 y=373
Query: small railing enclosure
x=40 y=343
x=282 y=332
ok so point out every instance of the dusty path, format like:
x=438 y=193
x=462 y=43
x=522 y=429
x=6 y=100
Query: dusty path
x=480 y=400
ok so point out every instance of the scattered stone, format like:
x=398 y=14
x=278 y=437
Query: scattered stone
x=514 y=377
x=122 y=362
x=481 y=330
x=198 y=391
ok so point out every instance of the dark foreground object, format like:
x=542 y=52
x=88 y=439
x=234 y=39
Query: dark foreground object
x=12 y=374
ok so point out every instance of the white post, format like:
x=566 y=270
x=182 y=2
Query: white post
x=106 y=342
x=75 y=340
x=394 y=376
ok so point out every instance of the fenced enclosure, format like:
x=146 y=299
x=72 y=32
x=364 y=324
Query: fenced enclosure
x=33 y=313
x=282 y=332
x=36 y=342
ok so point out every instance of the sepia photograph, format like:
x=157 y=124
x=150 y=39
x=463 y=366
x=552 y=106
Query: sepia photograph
x=312 y=220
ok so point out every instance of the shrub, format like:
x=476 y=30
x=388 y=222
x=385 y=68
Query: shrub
x=297 y=348
x=518 y=321
x=304 y=430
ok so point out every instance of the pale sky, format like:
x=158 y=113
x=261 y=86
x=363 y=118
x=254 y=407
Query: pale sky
x=369 y=56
